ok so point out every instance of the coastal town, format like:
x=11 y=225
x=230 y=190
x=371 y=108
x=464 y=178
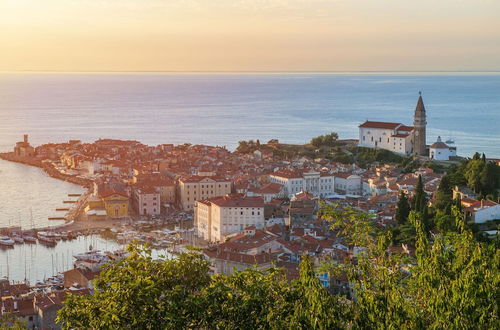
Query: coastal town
x=254 y=207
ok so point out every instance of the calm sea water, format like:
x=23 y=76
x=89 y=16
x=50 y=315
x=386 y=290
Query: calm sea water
x=216 y=109
x=221 y=109
x=35 y=262
x=28 y=196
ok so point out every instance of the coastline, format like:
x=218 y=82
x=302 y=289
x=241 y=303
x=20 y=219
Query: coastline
x=76 y=209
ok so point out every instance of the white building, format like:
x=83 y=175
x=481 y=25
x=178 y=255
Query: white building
x=348 y=184
x=217 y=217
x=481 y=211
x=317 y=183
x=441 y=151
x=147 y=201
x=394 y=137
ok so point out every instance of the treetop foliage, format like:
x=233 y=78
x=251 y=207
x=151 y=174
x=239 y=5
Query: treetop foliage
x=451 y=282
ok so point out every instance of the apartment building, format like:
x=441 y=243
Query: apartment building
x=217 y=217
x=196 y=188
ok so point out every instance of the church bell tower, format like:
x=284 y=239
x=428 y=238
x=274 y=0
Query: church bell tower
x=419 y=122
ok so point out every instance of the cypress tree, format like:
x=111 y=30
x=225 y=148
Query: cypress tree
x=402 y=209
x=419 y=198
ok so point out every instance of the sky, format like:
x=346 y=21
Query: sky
x=245 y=35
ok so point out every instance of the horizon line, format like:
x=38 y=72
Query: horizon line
x=248 y=71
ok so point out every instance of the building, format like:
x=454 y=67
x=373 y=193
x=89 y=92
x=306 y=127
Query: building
x=481 y=211
x=441 y=151
x=196 y=188
x=228 y=262
x=317 y=183
x=348 y=184
x=79 y=277
x=23 y=148
x=396 y=137
x=109 y=199
x=268 y=192
x=216 y=218
x=147 y=201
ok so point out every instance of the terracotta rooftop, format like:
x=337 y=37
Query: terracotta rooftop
x=257 y=259
x=379 y=124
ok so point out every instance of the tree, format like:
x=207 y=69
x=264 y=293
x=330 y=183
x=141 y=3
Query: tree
x=489 y=179
x=419 y=200
x=140 y=293
x=444 y=194
x=11 y=322
x=327 y=140
x=472 y=174
x=402 y=209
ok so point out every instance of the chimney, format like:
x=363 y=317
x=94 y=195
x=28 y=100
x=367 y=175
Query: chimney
x=25 y=138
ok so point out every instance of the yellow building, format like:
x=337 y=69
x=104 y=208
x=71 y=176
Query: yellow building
x=195 y=188
x=110 y=203
x=116 y=203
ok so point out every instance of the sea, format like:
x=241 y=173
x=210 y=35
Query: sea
x=216 y=109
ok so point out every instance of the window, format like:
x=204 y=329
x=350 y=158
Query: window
x=241 y=213
x=379 y=139
x=372 y=138
x=363 y=137
x=154 y=198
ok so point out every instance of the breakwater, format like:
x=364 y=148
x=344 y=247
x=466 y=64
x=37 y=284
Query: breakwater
x=48 y=167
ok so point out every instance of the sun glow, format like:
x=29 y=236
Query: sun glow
x=128 y=35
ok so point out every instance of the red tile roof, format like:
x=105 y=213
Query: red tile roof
x=257 y=259
x=379 y=124
x=406 y=128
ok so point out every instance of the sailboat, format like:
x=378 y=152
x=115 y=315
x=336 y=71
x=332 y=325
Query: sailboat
x=29 y=238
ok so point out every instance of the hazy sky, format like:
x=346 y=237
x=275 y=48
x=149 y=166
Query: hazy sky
x=271 y=35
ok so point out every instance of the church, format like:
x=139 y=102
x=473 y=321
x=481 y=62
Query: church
x=397 y=137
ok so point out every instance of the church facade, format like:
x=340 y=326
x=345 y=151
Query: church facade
x=397 y=137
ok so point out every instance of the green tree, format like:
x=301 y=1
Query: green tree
x=140 y=293
x=402 y=209
x=419 y=200
x=328 y=140
x=11 y=322
x=472 y=174
x=489 y=179
x=251 y=299
x=444 y=194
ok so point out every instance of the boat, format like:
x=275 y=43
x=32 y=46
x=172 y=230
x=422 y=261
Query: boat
x=29 y=239
x=450 y=141
x=90 y=255
x=46 y=240
x=7 y=242
x=18 y=239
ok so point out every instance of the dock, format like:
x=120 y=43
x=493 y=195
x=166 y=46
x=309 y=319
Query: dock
x=57 y=218
x=62 y=209
x=69 y=202
x=74 y=195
